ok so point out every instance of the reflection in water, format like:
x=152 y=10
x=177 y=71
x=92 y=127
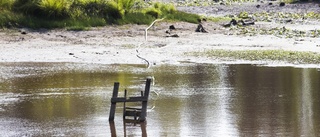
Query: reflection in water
x=306 y=106
x=142 y=125
x=47 y=99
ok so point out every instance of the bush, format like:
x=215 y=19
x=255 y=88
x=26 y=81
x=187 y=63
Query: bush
x=113 y=12
x=166 y=8
x=80 y=14
x=182 y=16
x=27 y=7
x=153 y=12
x=6 y=4
x=54 y=8
x=8 y=19
x=136 y=18
x=43 y=8
x=159 y=9
x=126 y=5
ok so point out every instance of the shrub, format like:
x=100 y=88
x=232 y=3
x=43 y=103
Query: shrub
x=136 y=18
x=8 y=19
x=158 y=9
x=113 y=12
x=126 y=5
x=28 y=7
x=80 y=14
x=85 y=9
x=168 y=8
x=153 y=12
x=54 y=8
x=43 y=8
x=6 y=4
x=182 y=16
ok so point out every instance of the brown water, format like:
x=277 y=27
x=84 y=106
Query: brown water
x=63 y=99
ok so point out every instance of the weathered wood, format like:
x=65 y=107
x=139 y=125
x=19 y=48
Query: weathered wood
x=145 y=102
x=136 y=99
x=113 y=104
x=131 y=99
x=143 y=129
x=118 y=99
x=124 y=104
x=112 y=129
x=133 y=113
x=133 y=108
x=127 y=111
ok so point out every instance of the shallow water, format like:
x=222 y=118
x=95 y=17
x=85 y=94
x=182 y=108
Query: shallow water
x=64 y=99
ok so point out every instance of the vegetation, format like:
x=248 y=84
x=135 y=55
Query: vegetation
x=298 y=57
x=278 y=17
x=79 y=14
x=229 y=2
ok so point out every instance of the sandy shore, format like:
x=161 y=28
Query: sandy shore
x=119 y=44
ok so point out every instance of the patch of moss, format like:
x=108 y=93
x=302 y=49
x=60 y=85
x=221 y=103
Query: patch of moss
x=298 y=57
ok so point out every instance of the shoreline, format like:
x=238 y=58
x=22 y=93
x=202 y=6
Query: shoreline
x=119 y=44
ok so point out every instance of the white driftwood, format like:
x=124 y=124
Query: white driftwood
x=146 y=38
x=138 y=53
x=146 y=30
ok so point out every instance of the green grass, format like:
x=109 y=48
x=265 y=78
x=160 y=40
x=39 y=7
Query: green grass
x=136 y=18
x=182 y=16
x=6 y=3
x=9 y=19
x=81 y=14
x=298 y=57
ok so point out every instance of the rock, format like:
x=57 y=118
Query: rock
x=174 y=35
x=270 y=4
x=258 y=6
x=233 y=22
x=288 y=21
x=22 y=31
x=21 y=39
x=282 y=4
x=171 y=27
x=61 y=36
x=71 y=53
x=247 y=22
x=200 y=28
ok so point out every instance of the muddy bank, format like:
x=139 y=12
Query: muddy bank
x=123 y=44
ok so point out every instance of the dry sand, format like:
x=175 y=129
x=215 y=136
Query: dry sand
x=119 y=44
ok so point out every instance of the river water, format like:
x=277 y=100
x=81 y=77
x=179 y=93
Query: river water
x=65 y=99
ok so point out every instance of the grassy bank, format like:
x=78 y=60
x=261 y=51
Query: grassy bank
x=80 y=14
x=296 y=57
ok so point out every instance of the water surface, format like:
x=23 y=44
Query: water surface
x=64 y=99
